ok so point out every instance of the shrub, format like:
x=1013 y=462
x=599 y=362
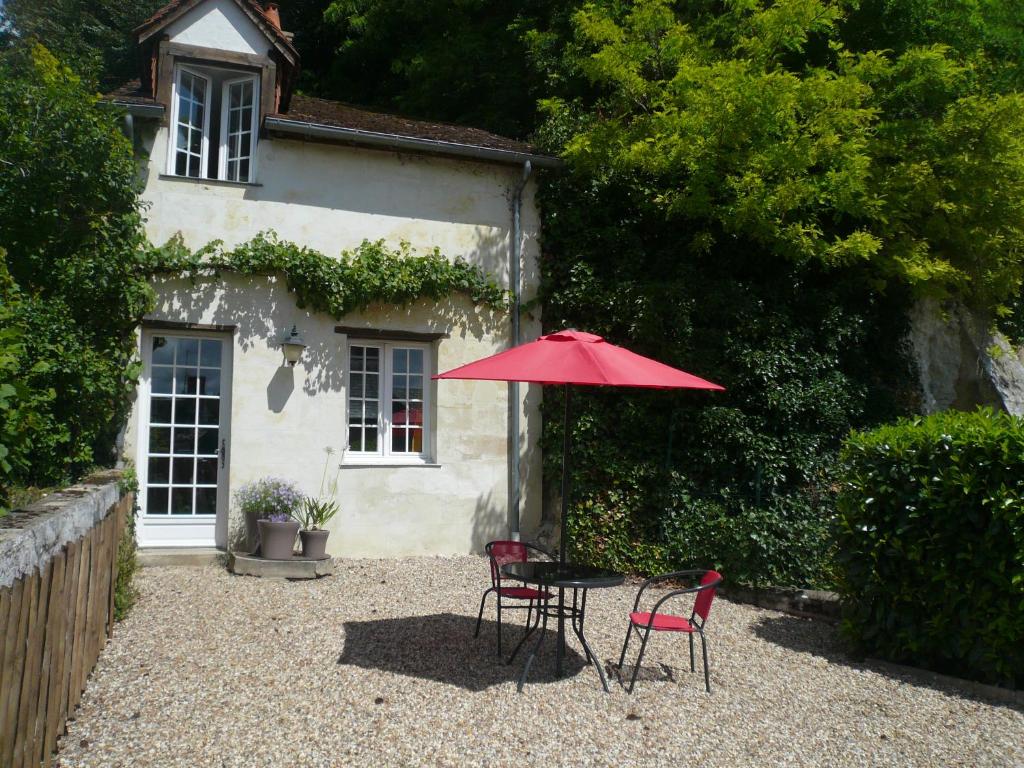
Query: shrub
x=652 y=520
x=125 y=591
x=71 y=225
x=269 y=497
x=931 y=543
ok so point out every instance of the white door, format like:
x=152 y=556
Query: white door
x=184 y=411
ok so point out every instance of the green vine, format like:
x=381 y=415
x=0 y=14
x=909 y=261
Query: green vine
x=372 y=273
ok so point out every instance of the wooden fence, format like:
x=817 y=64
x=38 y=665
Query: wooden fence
x=53 y=624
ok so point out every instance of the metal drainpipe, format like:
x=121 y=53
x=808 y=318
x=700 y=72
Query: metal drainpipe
x=513 y=386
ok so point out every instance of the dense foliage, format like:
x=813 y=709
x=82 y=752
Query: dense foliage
x=372 y=273
x=72 y=231
x=92 y=37
x=931 y=543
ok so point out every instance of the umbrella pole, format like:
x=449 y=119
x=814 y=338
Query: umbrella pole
x=566 y=456
x=566 y=461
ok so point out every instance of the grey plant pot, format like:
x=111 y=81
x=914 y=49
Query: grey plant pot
x=277 y=540
x=314 y=543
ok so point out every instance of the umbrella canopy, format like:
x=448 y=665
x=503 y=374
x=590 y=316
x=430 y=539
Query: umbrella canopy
x=575 y=357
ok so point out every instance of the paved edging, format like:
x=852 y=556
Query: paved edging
x=814 y=603
x=970 y=687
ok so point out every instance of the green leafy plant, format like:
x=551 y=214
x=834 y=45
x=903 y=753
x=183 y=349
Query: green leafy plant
x=930 y=538
x=316 y=512
x=125 y=590
x=372 y=273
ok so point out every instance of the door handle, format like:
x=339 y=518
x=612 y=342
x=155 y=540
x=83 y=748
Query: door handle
x=223 y=452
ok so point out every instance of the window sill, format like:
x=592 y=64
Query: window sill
x=387 y=464
x=212 y=182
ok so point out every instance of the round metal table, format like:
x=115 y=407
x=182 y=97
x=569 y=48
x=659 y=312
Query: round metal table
x=563 y=576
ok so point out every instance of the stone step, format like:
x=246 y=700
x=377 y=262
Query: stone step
x=153 y=557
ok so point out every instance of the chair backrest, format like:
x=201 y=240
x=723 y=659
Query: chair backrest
x=504 y=552
x=702 y=605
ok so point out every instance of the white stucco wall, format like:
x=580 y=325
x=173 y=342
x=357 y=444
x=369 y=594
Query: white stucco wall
x=219 y=24
x=331 y=198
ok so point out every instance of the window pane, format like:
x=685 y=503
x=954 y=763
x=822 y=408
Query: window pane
x=398 y=440
x=206 y=501
x=193 y=166
x=371 y=440
x=400 y=359
x=399 y=414
x=415 y=361
x=163 y=351
x=209 y=381
x=355 y=358
x=371 y=412
x=184 y=441
x=355 y=439
x=181 y=501
x=206 y=471
x=188 y=352
x=195 y=142
x=243 y=172
x=416 y=387
x=159 y=472
x=210 y=356
x=156 y=501
x=181 y=164
x=160 y=410
x=185 y=411
x=183 y=471
x=356 y=386
x=398 y=388
x=160 y=379
x=416 y=440
x=372 y=359
x=207 y=441
x=160 y=440
x=184 y=381
x=372 y=387
x=209 y=411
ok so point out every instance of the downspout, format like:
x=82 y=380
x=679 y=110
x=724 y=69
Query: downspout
x=515 y=280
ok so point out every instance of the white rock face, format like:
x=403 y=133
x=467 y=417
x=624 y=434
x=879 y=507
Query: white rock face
x=962 y=362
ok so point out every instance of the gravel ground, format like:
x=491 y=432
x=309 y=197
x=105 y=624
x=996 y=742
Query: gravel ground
x=377 y=665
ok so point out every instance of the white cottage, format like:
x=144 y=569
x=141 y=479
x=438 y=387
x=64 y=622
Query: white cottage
x=228 y=151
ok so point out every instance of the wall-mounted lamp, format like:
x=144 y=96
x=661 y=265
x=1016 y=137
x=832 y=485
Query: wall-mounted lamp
x=292 y=344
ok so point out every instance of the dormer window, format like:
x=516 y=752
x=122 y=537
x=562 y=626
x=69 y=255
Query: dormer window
x=213 y=123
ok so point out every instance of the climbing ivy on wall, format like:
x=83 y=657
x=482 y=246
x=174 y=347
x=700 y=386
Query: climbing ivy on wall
x=372 y=273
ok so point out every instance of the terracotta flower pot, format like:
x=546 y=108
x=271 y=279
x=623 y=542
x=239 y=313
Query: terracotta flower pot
x=314 y=543
x=277 y=540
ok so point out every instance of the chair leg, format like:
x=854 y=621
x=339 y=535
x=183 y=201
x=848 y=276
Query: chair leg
x=707 y=671
x=480 y=616
x=693 y=667
x=499 y=624
x=639 y=658
x=625 y=645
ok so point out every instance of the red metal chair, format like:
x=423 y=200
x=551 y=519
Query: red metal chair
x=645 y=622
x=501 y=553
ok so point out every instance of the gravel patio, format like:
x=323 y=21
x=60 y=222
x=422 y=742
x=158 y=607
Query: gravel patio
x=377 y=665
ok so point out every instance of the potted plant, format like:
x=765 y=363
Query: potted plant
x=316 y=512
x=272 y=504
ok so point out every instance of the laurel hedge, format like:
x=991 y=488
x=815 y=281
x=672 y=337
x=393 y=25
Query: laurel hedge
x=931 y=543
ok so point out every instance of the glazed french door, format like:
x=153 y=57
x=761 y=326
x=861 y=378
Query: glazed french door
x=183 y=438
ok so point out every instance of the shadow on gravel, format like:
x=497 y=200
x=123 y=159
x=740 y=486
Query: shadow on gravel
x=821 y=638
x=441 y=647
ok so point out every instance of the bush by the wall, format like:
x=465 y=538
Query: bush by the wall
x=125 y=591
x=931 y=543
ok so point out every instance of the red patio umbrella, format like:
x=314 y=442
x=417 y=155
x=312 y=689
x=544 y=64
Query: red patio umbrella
x=573 y=357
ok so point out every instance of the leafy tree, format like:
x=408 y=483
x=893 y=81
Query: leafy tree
x=93 y=37
x=72 y=230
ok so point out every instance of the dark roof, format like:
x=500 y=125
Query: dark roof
x=131 y=93
x=252 y=8
x=336 y=114
x=370 y=127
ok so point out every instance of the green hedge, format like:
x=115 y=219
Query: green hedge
x=931 y=543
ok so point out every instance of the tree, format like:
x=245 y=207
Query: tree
x=93 y=37
x=71 y=226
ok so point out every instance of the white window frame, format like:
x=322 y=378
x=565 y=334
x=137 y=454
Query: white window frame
x=204 y=161
x=383 y=454
x=225 y=106
x=172 y=154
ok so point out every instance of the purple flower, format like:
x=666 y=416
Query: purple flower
x=269 y=498
x=278 y=517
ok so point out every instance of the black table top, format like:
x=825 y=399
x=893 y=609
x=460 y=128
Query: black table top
x=562 y=575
